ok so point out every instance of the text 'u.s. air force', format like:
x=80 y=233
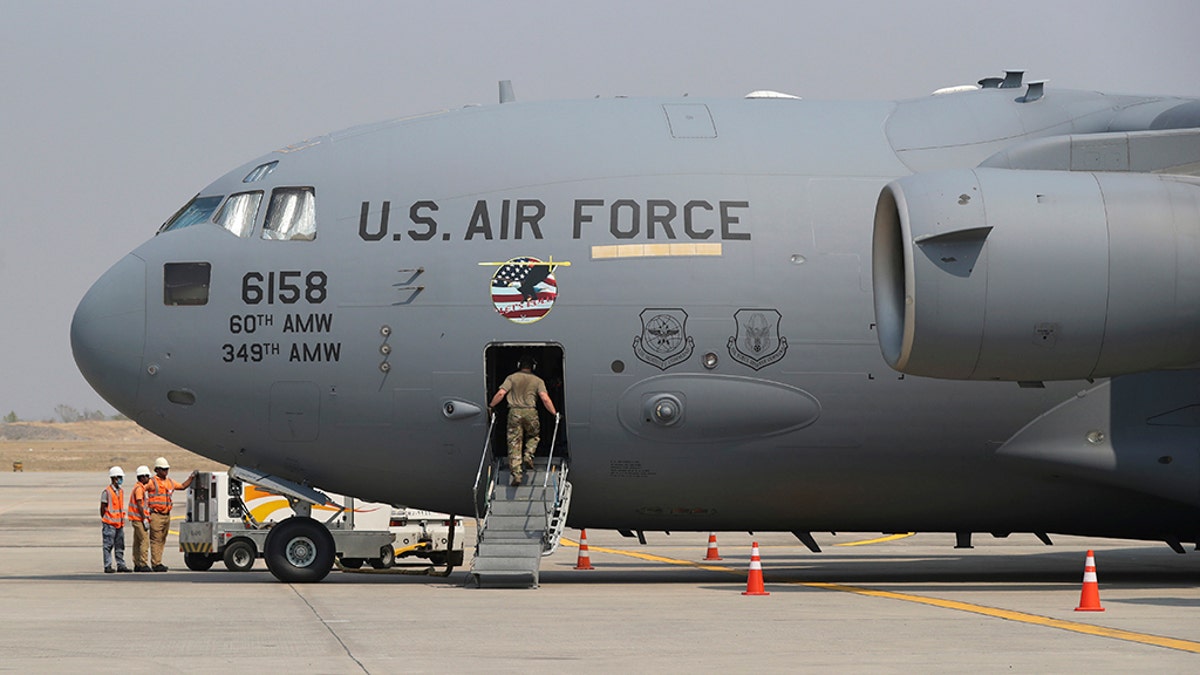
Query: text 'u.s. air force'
x=590 y=219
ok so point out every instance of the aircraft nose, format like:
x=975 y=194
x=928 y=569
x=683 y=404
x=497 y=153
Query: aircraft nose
x=108 y=333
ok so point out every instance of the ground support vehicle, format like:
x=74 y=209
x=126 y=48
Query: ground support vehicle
x=436 y=538
x=231 y=515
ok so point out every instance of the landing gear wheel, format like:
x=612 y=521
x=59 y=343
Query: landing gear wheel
x=239 y=556
x=352 y=563
x=387 y=558
x=299 y=550
x=197 y=562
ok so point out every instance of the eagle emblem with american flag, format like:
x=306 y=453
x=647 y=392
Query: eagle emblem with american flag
x=524 y=289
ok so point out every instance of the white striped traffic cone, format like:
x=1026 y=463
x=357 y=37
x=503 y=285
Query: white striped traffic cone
x=584 y=561
x=713 y=553
x=1089 y=598
x=754 y=582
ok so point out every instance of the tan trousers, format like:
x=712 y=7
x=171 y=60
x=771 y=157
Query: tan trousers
x=159 y=524
x=141 y=543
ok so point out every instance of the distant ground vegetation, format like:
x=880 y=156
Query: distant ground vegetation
x=91 y=445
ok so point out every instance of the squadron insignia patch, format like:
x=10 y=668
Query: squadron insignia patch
x=757 y=343
x=664 y=341
x=524 y=289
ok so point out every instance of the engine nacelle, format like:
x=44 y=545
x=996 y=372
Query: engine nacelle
x=998 y=274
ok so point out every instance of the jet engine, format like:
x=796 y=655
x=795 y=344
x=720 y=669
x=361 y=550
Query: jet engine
x=998 y=274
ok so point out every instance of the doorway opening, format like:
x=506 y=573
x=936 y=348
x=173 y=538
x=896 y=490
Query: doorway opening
x=500 y=361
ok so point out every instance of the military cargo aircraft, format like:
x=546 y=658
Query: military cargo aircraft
x=974 y=312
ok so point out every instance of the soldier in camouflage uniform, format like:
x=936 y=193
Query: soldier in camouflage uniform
x=522 y=390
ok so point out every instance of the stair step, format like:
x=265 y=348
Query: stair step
x=492 y=551
x=517 y=521
x=506 y=580
x=502 y=507
x=525 y=492
x=506 y=565
x=512 y=538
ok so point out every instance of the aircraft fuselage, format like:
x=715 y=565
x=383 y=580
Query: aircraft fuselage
x=714 y=254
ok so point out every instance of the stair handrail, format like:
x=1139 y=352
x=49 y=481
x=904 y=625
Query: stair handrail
x=487 y=443
x=550 y=457
x=559 y=477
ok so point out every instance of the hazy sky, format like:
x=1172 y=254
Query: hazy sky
x=113 y=114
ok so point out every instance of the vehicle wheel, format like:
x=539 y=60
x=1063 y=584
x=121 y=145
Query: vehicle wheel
x=197 y=562
x=352 y=563
x=387 y=558
x=299 y=550
x=239 y=555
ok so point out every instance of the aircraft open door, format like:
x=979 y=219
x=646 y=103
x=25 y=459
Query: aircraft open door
x=501 y=361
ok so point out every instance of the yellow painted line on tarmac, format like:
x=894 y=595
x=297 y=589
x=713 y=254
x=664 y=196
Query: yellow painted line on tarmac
x=651 y=558
x=1022 y=617
x=994 y=612
x=878 y=540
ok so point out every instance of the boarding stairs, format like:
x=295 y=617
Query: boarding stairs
x=517 y=525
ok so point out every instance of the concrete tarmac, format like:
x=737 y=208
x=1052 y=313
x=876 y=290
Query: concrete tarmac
x=899 y=605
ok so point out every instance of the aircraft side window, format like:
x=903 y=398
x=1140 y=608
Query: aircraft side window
x=186 y=283
x=239 y=212
x=292 y=214
x=196 y=211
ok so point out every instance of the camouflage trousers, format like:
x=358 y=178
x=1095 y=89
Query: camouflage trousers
x=524 y=432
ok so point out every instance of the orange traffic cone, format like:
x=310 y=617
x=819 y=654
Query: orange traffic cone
x=713 y=553
x=754 y=583
x=584 y=561
x=1089 y=598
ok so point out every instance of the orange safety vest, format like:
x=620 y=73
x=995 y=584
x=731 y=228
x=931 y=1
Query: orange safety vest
x=137 y=503
x=115 y=513
x=158 y=494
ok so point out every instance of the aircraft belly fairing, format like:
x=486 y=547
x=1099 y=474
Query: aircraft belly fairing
x=703 y=274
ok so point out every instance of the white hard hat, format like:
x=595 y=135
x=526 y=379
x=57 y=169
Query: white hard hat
x=116 y=472
x=143 y=470
x=161 y=463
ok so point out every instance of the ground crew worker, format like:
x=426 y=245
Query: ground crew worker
x=112 y=521
x=522 y=390
x=139 y=519
x=159 y=499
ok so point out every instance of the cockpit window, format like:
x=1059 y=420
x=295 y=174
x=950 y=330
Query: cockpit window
x=292 y=215
x=239 y=212
x=260 y=172
x=196 y=211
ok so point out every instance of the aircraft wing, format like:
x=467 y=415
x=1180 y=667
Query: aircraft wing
x=1174 y=151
